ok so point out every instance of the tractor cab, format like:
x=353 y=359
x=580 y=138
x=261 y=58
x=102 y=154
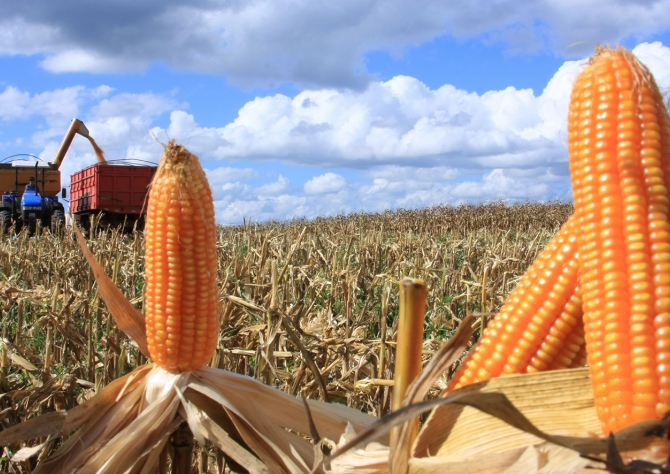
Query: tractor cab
x=32 y=203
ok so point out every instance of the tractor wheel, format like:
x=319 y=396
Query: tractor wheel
x=57 y=222
x=5 y=222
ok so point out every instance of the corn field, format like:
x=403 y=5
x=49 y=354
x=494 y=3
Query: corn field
x=309 y=307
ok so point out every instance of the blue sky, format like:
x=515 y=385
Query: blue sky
x=303 y=108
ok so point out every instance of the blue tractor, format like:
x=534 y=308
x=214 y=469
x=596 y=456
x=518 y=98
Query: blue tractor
x=30 y=188
x=26 y=209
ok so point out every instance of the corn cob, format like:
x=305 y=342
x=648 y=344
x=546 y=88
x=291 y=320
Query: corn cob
x=565 y=341
x=619 y=145
x=181 y=294
x=541 y=309
x=581 y=358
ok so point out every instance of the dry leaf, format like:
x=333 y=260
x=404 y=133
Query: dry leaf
x=559 y=402
x=38 y=427
x=26 y=453
x=23 y=363
x=230 y=448
x=127 y=318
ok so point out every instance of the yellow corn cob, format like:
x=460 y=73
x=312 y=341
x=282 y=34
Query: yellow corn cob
x=181 y=294
x=543 y=305
x=581 y=357
x=619 y=144
x=565 y=340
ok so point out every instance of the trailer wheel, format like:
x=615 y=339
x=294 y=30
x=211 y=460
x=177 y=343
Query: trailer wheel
x=57 y=222
x=5 y=222
x=84 y=222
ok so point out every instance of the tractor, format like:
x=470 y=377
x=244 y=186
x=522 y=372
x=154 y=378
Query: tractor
x=112 y=193
x=32 y=206
x=31 y=188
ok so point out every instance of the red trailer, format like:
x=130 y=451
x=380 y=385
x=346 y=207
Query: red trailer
x=116 y=193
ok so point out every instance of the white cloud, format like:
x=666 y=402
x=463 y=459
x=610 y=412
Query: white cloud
x=410 y=145
x=118 y=122
x=325 y=183
x=90 y=61
x=53 y=105
x=20 y=35
x=14 y=103
x=259 y=210
x=395 y=191
x=390 y=123
x=232 y=191
x=133 y=105
x=414 y=173
x=317 y=43
x=227 y=174
x=655 y=57
x=272 y=189
x=199 y=139
x=402 y=121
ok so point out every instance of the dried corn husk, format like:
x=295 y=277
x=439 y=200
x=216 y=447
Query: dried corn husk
x=558 y=403
x=538 y=459
x=531 y=423
x=547 y=421
x=373 y=459
x=124 y=427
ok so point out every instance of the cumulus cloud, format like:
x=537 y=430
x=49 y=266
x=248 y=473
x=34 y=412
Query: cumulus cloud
x=132 y=105
x=393 y=123
x=284 y=207
x=396 y=191
x=655 y=57
x=414 y=173
x=227 y=174
x=402 y=120
x=52 y=105
x=325 y=183
x=401 y=143
x=14 y=103
x=272 y=189
x=414 y=146
x=270 y=41
x=118 y=121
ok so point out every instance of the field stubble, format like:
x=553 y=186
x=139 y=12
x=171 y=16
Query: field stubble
x=307 y=306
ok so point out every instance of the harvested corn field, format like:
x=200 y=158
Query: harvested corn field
x=323 y=292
